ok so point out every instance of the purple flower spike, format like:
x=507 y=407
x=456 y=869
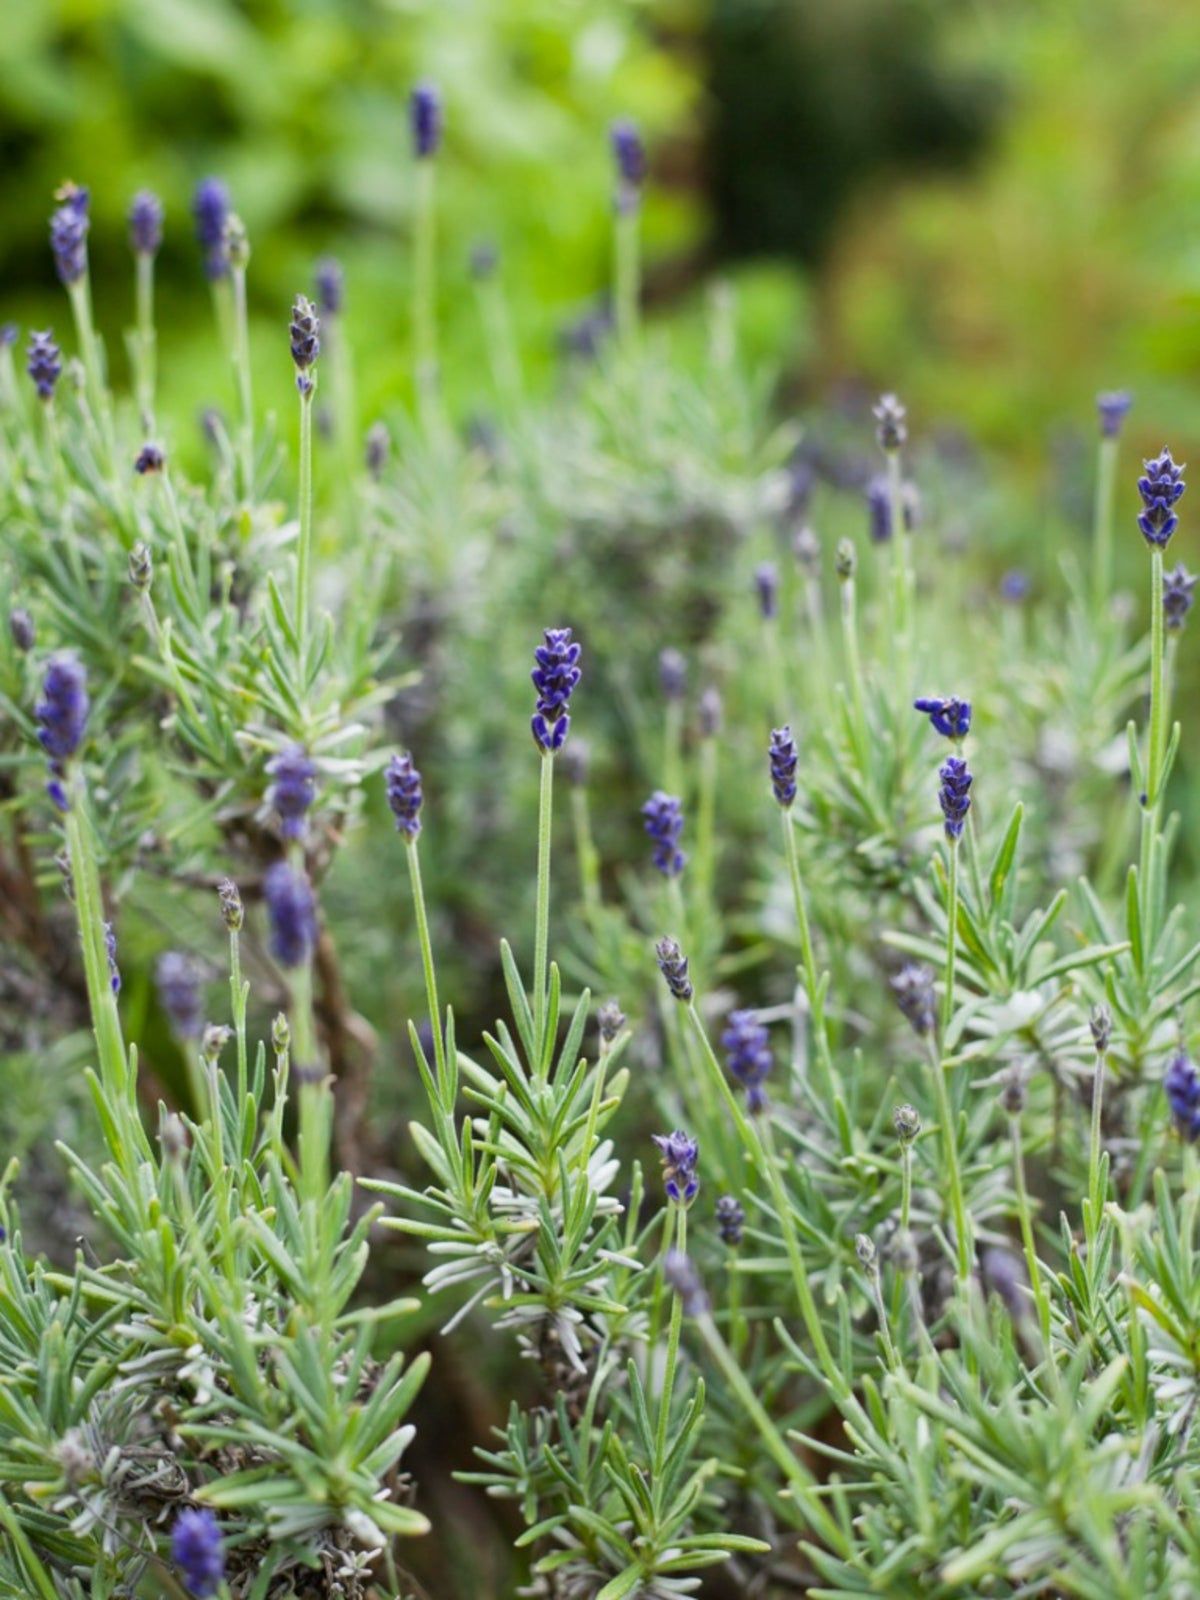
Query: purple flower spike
x=177 y=978
x=1161 y=487
x=145 y=223
x=330 y=283
x=555 y=678
x=425 y=119
x=68 y=233
x=664 y=823
x=748 y=1055
x=629 y=153
x=784 y=758
x=1177 y=596
x=198 y=1551
x=954 y=795
x=1112 y=407
x=291 y=912
x=950 y=716
x=731 y=1219
x=62 y=714
x=210 y=208
x=44 y=363
x=290 y=795
x=405 y=795
x=680 y=1153
x=304 y=331
x=1182 y=1088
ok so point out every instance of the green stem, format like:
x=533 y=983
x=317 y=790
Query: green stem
x=501 y=346
x=672 y=1358
x=627 y=269
x=304 y=554
x=951 y=937
x=1025 y=1218
x=145 y=340
x=426 y=944
x=1095 y=1197
x=1158 y=708
x=672 y=759
x=541 y=937
x=949 y=1125
x=706 y=811
x=425 y=290
x=1102 y=527
x=854 y=672
x=239 y=994
x=241 y=372
x=901 y=571
x=812 y=984
x=585 y=852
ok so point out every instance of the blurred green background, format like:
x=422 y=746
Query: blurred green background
x=983 y=203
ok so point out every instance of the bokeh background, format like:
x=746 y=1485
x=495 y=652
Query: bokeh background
x=982 y=201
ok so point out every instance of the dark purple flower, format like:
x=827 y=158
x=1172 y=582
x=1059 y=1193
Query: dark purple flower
x=680 y=1153
x=1182 y=1088
x=891 y=429
x=178 y=981
x=731 y=1219
x=44 y=363
x=913 y=989
x=783 y=757
x=293 y=784
x=68 y=233
x=629 y=153
x=555 y=678
x=950 y=716
x=1160 y=486
x=330 y=283
x=766 y=581
x=145 y=223
x=425 y=119
x=210 y=208
x=304 y=331
x=1015 y=586
x=110 y=950
x=62 y=714
x=680 y=1274
x=1112 y=407
x=672 y=674
x=198 y=1551
x=879 y=508
x=954 y=795
x=1177 y=596
x=292 y=914
x=21 y=629
x=673 y=965
x=748 y=1055
x=149 y=459
x=664 y=824
x=404 y=794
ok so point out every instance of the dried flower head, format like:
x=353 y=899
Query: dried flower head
x=845 y=560
x=232 y=911
x=1100 y=1025
x=673 y=965
x=610 y=1019
x=141 y=566
x=906 y=1120
x=149 y=459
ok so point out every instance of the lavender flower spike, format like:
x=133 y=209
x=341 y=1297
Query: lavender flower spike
x=680 y=1153
x=784 y=758
x=291 y=913
x=672 y=674
x=305 y=334
x=748 y=1055
x=890 y=417
x=913 y=989
x=145 y=223
x=673 y=965
x=425 y=119
x=766 y=581
x=68 y=233
x=1177 y=596
x=664 y=823
x=1182 y=1088
x=198 y=1551
x=330 y=283
x=1112 y=407
x=555 y=678
x=955 y=795
x=62 y=719
x=680 y=1274
x=404 y=794
x=1160 y=486
x=950 y=716
x=44 y=363
x=178 y=981
x=731 y=1219
x=629 y=153
x=290 y=795
x=210 y=208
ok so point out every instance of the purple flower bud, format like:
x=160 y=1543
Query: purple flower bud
x=198 y=1551
x=879 y=508
x=748 y=1055
x=1112 y=407
x=672 y=674
x=629 y=153
x=330 y=283
x=110 y=950
x=425 y=119
x=210 y=208
x=291 y=913
x=891 y=429
x=145 y=223
x=712 y=710
x=44 y=363
x=305 y=333
x=378 y=448
x=954 y=795
x=555 y=678
x=291 y=792
x=405 y=795
x=1182 y=1088
x=1177 y=596
x=149 y=459
x=21 y=629
x=680 y=1274
x=680 y=1153
x=1160 y=486
x=731 y=1219
x=230 y=897
x=783 y=758
x=68 y=233
x=1015 y=586
x=178 y=981
x=950 y=716
x=913 y=989
x=62 y=714
x=664 y=823
x=673 y=965
x=766 y=581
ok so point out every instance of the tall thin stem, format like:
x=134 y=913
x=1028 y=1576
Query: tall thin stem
x=241 y=372
x=426 y=944
x=1157 y=739
x=425 y=290
x=951 y=936
x=541 y=936
x=1102 y=526
x=1025 y=1219
x=145 y=338
x=672 y=1358
x=304 y=553
x=948 y=1121
x=812 y=983
x=627 y=268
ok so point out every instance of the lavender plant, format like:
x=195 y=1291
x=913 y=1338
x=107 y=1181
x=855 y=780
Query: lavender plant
x=851 y=1249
